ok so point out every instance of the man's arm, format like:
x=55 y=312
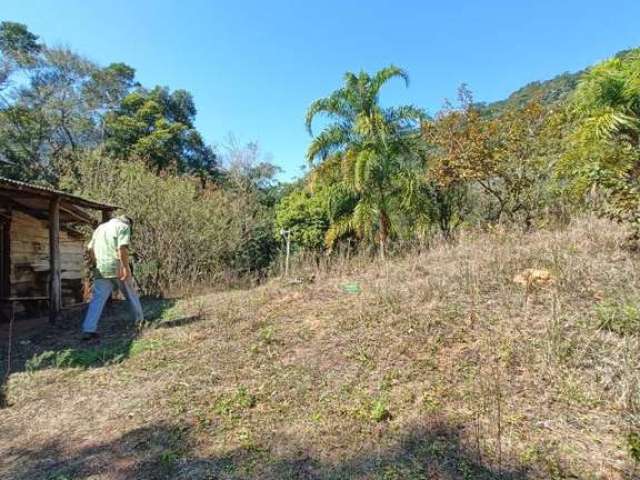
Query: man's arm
x=125 y=271
x=90 y=254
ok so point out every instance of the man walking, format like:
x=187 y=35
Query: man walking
x=109 y=249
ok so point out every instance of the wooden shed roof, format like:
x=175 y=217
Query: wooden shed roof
x=35 y=199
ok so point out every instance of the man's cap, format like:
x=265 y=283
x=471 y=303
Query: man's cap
x=126 y=219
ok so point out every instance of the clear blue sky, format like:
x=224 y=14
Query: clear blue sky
x=254 y=66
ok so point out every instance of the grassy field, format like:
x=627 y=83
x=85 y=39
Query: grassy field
x=437 y=365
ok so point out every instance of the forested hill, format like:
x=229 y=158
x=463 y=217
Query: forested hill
x=547 y=92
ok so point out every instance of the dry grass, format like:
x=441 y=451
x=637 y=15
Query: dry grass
x=441 y=367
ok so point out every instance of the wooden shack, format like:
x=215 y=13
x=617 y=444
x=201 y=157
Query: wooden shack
x=42 y=248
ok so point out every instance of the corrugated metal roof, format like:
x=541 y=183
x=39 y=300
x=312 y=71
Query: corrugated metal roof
x=50 y=192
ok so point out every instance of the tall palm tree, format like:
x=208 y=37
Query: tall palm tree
x=366 y=147
x=608 y=99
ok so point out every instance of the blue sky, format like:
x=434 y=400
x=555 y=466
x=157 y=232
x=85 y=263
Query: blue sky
x=255 y=66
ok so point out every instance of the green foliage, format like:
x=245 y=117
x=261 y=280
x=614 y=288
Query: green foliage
x=89 y=357
x=368 y=149
x=60 y=103
x=183 y=235
x=306 y=216
x=621 y=317
x=603 y=152
x=18 y=44
x=550 y=93
x=377 y=174
x=45 y=117
x=633 y=444
x=233 y=405
x=509 y=158
x=431 y=404
x=380 y=410
x=168 y=458
x=157 y=126
x=107 y=87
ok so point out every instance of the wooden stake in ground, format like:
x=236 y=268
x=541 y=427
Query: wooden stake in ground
x=287 y=235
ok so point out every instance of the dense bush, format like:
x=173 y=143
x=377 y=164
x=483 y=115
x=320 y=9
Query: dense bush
x=305 y=216
x=183 y=235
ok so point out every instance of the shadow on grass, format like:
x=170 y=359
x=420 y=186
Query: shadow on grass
x=165 y=451
x=61 y=346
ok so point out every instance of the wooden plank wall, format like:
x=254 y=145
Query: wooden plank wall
x=30 y=260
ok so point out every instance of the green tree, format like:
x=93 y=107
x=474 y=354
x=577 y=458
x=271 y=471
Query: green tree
x=43 y=116
x=55 y=104
x=603 y=153
x=158 y=126
x=366 y=146
x=305 y=216
x=19 y=48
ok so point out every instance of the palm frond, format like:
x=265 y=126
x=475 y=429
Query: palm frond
x=386 y=74
x=336 y=105
x=329 y=141
x=348 y=166
x=362 y=169
x=363 y=220
x=326 y=172
x=406 y=116
x=338 y=229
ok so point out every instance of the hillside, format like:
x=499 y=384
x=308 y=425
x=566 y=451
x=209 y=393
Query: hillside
x=548 y=92
x=553 y=91
x=433 y=366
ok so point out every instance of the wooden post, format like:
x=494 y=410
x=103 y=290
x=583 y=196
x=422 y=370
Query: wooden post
x=55 y=287
x=287 y=235
x=5 y=261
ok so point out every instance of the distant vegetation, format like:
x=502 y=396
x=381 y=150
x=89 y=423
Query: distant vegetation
x=379 y=178
x=551 y=92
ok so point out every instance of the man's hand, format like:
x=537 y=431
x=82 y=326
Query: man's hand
x=125 y=273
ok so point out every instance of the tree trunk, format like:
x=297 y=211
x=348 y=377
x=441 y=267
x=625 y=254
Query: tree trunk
x=384 y=233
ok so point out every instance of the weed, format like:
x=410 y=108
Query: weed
x=389 y=380
x=431 y=404
x=621 y=317
x=267 y=335
x=362 y=356
x=232 y=405
x=379 y=410
x=633 y=445
x=168 y=458
x=498 y=385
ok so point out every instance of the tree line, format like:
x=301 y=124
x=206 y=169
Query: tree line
x=379 y=177
x=202 y=214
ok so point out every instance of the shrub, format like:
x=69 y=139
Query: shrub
x=183 y=236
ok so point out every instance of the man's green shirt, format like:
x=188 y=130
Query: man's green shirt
x=105 y=242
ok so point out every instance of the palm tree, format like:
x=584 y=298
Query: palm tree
x=364 y=151
x=603 y=153
x=608 y=99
